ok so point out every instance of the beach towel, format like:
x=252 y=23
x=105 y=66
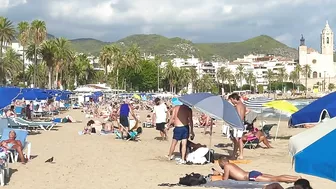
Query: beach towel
x=233 y=184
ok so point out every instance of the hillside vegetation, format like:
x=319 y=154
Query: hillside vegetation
x=178 y=47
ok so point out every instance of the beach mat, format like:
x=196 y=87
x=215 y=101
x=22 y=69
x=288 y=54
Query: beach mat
x=233 y=184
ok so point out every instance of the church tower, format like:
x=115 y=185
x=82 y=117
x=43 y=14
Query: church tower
x=303 y=49
x=327 y=40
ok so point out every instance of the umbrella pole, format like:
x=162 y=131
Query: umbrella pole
x=211 y=125
x=276 y=134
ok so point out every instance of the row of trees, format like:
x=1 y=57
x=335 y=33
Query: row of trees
x=55 y=62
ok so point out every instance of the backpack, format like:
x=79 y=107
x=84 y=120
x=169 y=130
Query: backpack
x=192 y=179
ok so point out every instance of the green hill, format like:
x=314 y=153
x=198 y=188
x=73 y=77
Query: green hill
x=172 y=47
x=87 y=45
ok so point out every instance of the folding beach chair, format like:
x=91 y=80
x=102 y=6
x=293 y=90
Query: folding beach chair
x=266 y=129
x=252 y=142
x=20 y=135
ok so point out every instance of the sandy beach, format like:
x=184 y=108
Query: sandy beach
x=101 y=161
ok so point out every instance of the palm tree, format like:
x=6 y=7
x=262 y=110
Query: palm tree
x=269 y=77
x=11 y=64
x=240 y=74
x=184 y=77
x=229 y=77
x=282 y=76
x=38 y=32
x=221 y=75
x=249 y=77
x=7 y=34
x=24 y=35
x=294 y=77
x=205 y=83
x=105 y=58
x=306 y=70
x=193 y=78
x=80 y=69
x=171 y=75
x=63 y=56
x=48 y=55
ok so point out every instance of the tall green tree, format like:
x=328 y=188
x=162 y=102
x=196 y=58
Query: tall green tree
x=294 y=77
x=11 y=63
x=282 y=77
x=24 y=37
x=249 y=77
x=48 y=55
x=170 y=73
x=240 y=74
x=7 y=34
x=270 y=76
x=63 y=57
x=306 y=71
x=38 y=32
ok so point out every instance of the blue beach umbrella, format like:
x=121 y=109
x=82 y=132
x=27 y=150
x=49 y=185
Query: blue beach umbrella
x=7 y=95
x=214 y=106
x=33 y=94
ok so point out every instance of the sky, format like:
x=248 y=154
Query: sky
x=196 y=20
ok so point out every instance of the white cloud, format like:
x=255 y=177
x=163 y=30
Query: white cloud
x=5 y=4
x=210 y=20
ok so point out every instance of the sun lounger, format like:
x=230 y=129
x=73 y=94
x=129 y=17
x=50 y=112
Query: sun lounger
x=233 y=184
x=20 y=135
x=43 y=125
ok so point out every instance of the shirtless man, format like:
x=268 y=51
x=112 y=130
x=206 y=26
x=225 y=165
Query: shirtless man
x=182 y=120
x=237 y=140
x=233 y=171
x=11 y=143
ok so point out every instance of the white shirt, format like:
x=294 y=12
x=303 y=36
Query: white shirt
x=160 y=112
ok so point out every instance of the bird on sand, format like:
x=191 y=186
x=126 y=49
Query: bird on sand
x=50 y=160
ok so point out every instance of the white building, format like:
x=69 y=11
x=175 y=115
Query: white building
x=322 y=64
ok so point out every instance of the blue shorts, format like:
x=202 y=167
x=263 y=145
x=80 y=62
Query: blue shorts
x=181 y=133
x=253 y=175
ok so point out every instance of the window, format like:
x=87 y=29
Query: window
x=320 y=75
x=315 y=74
x=327 y=40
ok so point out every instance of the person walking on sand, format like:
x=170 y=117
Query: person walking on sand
x=237 y=140
x=182 y=120
x=160 y=114
x=123 y=112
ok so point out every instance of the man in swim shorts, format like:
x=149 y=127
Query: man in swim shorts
x=182 y=120
x=237 y=139
x=12 y=143
x=231 y=170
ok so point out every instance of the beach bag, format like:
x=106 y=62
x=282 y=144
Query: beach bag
x=193 y=179
x=210 y=156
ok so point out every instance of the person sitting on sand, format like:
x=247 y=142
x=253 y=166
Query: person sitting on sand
x=259 y=135
x=299 y=184
x=233 y=171
x=11 y=143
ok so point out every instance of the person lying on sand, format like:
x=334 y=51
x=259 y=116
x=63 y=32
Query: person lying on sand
x=233 y=171
x=11 y=143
